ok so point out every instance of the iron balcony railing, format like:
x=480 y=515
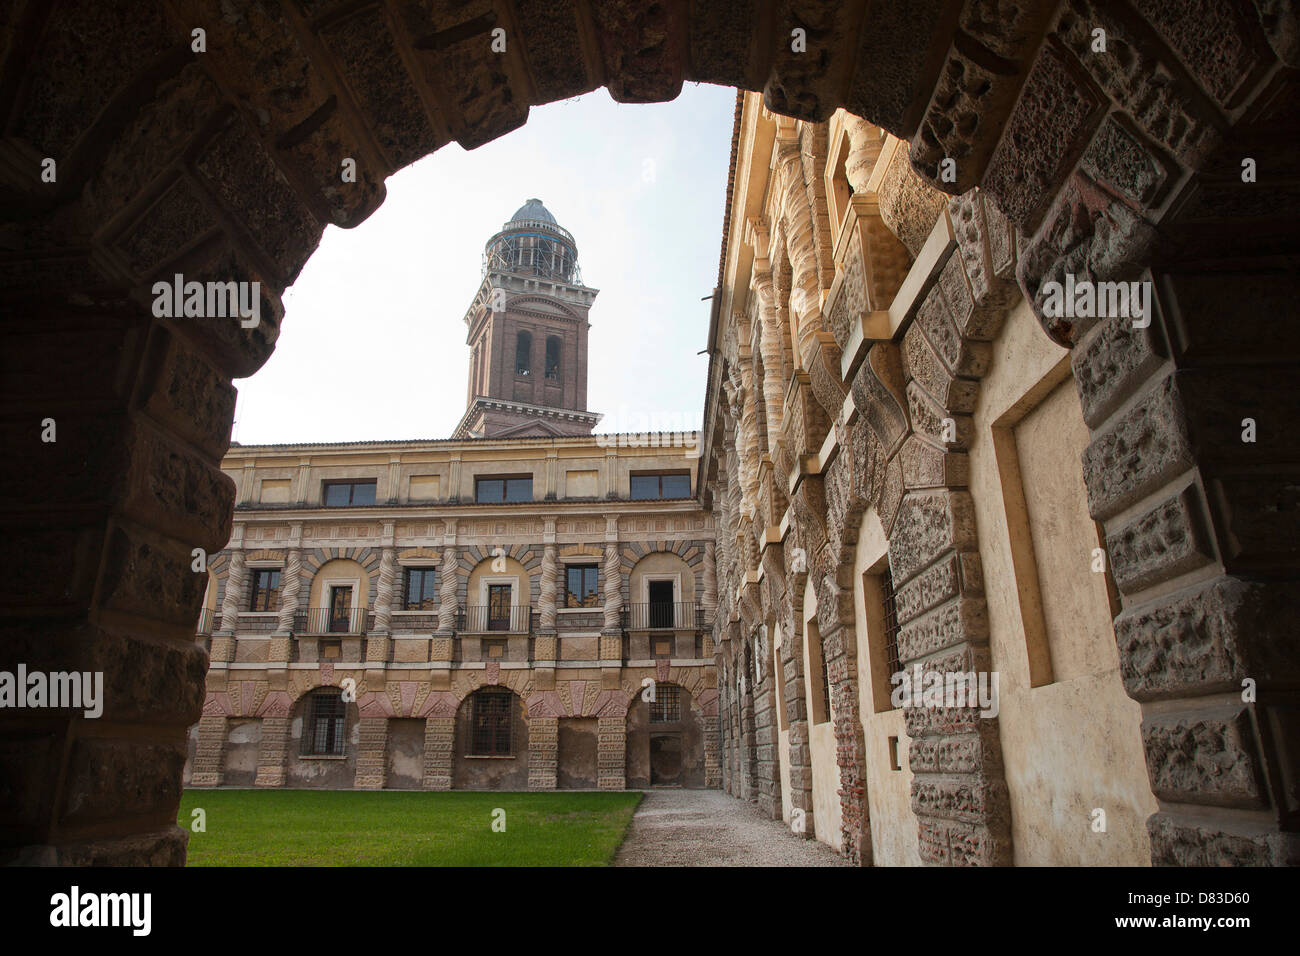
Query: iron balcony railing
x=325 y=620
x=206 y=620
x=662 y=615
x=485 y=618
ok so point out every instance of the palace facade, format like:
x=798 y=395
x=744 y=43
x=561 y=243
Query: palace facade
x=522 y=606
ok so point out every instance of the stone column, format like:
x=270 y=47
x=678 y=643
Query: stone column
x=273 y=753
x=865 y=141
x=547 y=589
x=209 y=755
x=387 y=593
x=611 y=472
x=709 y=599
x=233 y=600
x=611 y=753
x=613 y=585
x=290 y=588
x=712 y=755
x=453 y=480
x=439 y=744
x=372 y=754
x=447 y=584
x=543 y=752
x=281 y=644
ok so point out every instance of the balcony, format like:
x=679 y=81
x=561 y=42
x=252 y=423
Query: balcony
x=494 y=619
x=324 y=621
x=663 y=615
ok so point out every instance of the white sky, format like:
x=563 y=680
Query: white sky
x=373 y=341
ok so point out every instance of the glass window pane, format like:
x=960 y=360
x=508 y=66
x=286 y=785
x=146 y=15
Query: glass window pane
x=519 y=489
x=676 y=486
x=489 y=489
x=336 y=495
x=645 y=487
x=363 y=494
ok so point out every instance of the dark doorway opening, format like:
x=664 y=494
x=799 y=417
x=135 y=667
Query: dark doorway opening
x=666 y=760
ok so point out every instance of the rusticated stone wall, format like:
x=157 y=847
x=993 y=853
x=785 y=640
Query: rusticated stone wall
x=1127 y=160
x=224 y=165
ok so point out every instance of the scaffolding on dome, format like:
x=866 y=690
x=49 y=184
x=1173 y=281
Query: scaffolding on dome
x=534 y=247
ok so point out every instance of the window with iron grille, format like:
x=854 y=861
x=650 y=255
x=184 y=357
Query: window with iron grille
x=580 y=586
x=421 y=590
x=826 y=683
x=666 y=708
x=322 y=732
x=490 y=723
x=266 y=590
x=892 y=662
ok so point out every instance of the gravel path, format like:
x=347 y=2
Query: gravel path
x=710 y=828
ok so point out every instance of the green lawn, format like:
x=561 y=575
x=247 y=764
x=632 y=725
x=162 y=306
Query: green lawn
x=404 y=828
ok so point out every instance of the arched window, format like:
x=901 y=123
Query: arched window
x=490 y=722
x=523 y=353
x=553 y=358
x=323 y=723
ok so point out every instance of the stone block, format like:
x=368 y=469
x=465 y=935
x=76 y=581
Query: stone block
x=1166 y=541
x=1136 y=453
x=1207 y=757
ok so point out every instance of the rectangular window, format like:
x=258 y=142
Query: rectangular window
x=649 y=487
x=266 y=590
x=666 y=708
x=421 y=592
x=322 y=734
x=819 y=679
x=341 y=494
x=495 y=490
x=340 y=610
x=490 y=717
x=499 y=608
x=892 y=663
x=580 y=586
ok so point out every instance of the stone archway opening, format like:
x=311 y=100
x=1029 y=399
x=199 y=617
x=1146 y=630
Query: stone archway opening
x=216 y=147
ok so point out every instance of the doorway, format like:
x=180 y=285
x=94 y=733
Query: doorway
x=660 y=594
x=498 y=607
x=340 y=609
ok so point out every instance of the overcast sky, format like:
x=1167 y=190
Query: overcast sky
x=373 y=341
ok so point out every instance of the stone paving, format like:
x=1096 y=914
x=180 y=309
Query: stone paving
x=710 y=828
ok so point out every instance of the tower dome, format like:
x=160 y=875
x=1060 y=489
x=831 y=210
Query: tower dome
x=532 y=243
x=533 y=209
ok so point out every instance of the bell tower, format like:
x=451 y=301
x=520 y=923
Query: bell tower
x=527 y=334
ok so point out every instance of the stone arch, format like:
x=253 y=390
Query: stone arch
x=246 y=176
x=507 y=773
x=368 y=559
x=687 y=734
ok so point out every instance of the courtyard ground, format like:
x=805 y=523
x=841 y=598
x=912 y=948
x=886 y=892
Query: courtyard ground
x=401 y=828
x=710 y=828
